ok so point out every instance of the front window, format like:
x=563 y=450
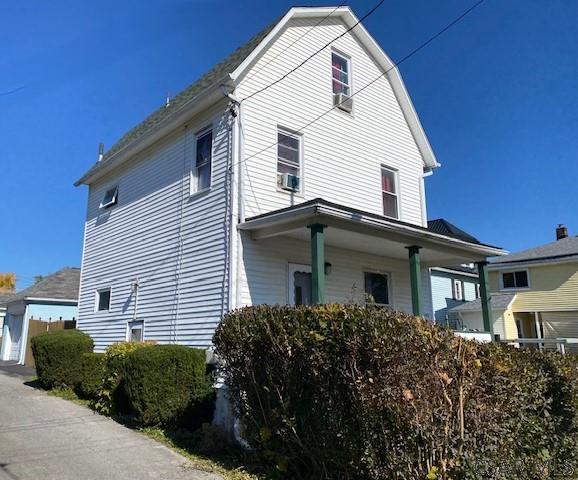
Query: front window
x=377 y=288
x=288 y=160
x=389 y=192
x=341 y=74
x=517 y=279
x=203 y=160
x=458 y=292
x=103 y=300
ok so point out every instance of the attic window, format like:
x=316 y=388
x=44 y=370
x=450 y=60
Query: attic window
x=518 y=279
x=110 y=198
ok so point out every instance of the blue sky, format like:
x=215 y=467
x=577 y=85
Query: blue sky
x=497 y=95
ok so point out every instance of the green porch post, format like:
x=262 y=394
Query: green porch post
x=485 y=298
x=415 y=279
x=317 y=264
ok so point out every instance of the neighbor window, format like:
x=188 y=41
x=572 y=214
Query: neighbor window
x=517 y=279
x=288 y=160
x=103 y=299
x=135 y=332
x=377 y=287
x=341 y=73
x=110 y=197
x=389 y=192
x=203 y=160
x=478 y=294
x=458 y=293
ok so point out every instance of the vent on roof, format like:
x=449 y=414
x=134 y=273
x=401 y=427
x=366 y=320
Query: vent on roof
x=561 y=232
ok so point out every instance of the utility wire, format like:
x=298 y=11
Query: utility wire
x=395 y=65
x=280 y=79
x=297 y=39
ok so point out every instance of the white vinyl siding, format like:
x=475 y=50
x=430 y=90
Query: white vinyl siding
x=177 y=260
x=342 y=153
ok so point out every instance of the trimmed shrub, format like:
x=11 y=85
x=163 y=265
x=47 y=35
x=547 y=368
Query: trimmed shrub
x=111 y=398
x=168 y=385
x=57 y=357
x=344 y=391
x=91 y=375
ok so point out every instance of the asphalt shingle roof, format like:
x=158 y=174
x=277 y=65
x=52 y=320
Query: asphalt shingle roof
x=5 y=298
x=566 y=247
x=62 y=285
x=500 y=301
x=443 y=227
x=215 y=74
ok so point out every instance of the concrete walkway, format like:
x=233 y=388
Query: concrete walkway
x=44 y=437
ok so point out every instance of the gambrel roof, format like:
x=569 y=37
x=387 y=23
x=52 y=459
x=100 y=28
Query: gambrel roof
x=228 y=73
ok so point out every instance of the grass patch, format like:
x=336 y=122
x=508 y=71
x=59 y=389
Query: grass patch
x=68 y=394
x=231 y=463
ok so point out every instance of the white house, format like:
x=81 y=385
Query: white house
x=291 y=172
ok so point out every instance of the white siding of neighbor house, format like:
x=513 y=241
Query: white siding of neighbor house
x=142 y=235
x=266 y=273
x=343 y=152
x=442 y=292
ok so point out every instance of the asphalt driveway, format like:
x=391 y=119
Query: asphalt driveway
x=44 y=437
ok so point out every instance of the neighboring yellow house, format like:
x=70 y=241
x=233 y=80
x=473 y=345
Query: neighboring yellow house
x=534 y=293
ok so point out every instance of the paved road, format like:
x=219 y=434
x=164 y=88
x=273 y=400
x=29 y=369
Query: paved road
x=47 y=438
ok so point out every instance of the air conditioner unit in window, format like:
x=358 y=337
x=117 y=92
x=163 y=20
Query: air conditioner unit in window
x=343 y=102
x=289 y=182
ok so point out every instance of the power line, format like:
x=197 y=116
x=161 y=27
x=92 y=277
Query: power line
x=395 y=65
x=315 y=53
x=297 y=40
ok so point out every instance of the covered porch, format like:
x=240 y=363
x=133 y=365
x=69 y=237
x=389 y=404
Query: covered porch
x=328 y=227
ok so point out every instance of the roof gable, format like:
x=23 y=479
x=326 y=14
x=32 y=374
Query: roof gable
x=235 y=66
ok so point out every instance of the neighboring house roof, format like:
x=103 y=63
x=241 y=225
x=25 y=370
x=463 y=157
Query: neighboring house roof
x=459 y=269
x=62 y=285
x=5 y=298
x=560 y=249
x=443 y=227
x=500 y=301
x=233 y=68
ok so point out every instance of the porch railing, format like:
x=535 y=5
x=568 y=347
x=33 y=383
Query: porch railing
x=561 y=345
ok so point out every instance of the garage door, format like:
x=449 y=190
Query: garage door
x=15 y=326
x=561 y=325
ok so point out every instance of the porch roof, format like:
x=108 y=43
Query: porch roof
x=358 y=230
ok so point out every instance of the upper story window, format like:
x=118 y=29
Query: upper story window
x=110 y=198
x=203 y=161
x=457 y=290
x=341 y=73
x=377 y=287
x=518 y=279
x=103 y=299
x=288 y=160
x=389 y=192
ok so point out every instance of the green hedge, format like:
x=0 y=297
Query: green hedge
x=91 y=375
x=168 y=385
x=57 y=357
x=343 y=391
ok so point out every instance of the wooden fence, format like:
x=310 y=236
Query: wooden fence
x=38 y=326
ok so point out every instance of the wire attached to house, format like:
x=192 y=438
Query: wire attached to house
x=297 y=40
x=280 y=79
x=395 y=65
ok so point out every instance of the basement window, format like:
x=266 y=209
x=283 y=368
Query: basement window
x=103 y=300
x=135 y=332
x=110 y=198
x=518 y=279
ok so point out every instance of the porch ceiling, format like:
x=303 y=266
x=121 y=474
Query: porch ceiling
x=366 y=232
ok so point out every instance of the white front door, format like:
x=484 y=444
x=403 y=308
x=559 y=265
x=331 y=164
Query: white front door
x=299 y=284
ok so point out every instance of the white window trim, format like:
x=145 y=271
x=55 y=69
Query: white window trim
x=389 y=285
x=397 y=192
x=455 y=283
x=113 y=201
x=97 y=299
x=193 y=173
x=347 y=58
x=514 y=289
x=299 y=136
x=133 y=323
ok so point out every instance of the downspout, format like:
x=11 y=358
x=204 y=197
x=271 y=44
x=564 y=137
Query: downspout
x=240 y=161
x=426 y=173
